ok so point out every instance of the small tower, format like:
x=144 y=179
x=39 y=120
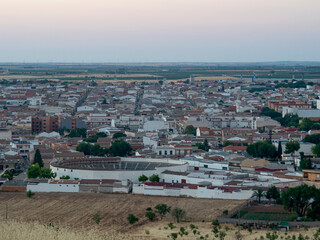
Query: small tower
x=191 y=79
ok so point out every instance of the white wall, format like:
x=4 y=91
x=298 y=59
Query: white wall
x=47 y=187
x=200 y=192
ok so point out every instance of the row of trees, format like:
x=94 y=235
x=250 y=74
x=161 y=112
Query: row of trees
x=152 y=178
x=37 y=170
x=160 y=210
x=265 y=149
x=290 y=120
x=262 y=149
x=304 y=200
x=118 y=148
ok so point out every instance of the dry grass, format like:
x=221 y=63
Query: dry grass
x=13 y=230
x=76 y=210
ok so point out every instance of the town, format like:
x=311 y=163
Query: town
x=245 y=138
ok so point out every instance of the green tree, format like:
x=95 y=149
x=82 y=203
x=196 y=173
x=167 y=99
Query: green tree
x=314 y=138
x=279 y=151
x=132 y=219
x=38 y=159
x=291 y=147
x=162 y=209
x=120 y=148
x=85 y=148
x=143 y=178
x=306 y=124
x=190 y=130
x=118 y=135
x=150 y=215
x=316 y=150
x=305 y=163
x=262 y=149
x=34 y=171
x=46 y=173
x=258 y=194
x=78 y=132
x=178 y=214
x=206 y=145
x=154 y=178
x=227 y=143
x=273 y=193
x=298 y=199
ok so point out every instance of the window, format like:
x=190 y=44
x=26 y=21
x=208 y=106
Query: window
x=317 y=175
x=171 y=152
x=160 y=152
x=205 y=166
x=165 y=153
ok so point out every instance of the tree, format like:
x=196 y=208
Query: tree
x=36 y=172
x=279 y=151
x=33 y=171
x=227 y=143
x=162 y=209
x=78 y=132
x=132 y=219
x=316 y=150
x=178 y=214
x=305 y=163
x=118 y=135
x=262 y=149
x=120 y=148
x=154 y=178
x=258 y=194
x=143 y=178
x=291 y=147
x=150 y=215
x=314 y=138
x=190 y=130
x=273 y=193
x=206 y=145
x=85 y=148
x=38 y=159
x=298 y=199
x=306 y=124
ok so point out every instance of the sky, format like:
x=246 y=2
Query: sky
x=159 y=30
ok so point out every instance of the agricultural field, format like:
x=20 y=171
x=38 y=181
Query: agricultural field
x=157 y=71
x=77 y=210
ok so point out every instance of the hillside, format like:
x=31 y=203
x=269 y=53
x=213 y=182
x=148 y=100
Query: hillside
x=77 y=210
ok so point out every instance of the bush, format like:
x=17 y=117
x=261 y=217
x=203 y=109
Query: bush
x=154 y=178
x=178 y=214
x=97 y=218
x=132 y=219
x=30 y=194
x=143 y=178
x=150 y=215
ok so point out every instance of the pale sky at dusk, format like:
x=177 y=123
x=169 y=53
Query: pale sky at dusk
x=159 y=30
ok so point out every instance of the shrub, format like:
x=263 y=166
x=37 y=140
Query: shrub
x=132 y=219
x=30 y=194
x=150 y=215
x=171 y=226
x=96 y=218
x=178 y=214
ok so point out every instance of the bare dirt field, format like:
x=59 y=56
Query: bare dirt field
x=69 y=216
x=77 y=210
